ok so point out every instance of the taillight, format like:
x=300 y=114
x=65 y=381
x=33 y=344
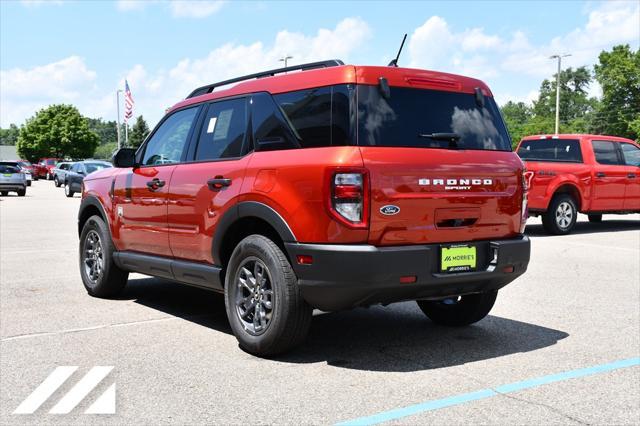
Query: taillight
x=527 y=177
x=348 y=196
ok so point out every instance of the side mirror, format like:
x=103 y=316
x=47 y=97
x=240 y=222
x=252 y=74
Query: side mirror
x=124 y=158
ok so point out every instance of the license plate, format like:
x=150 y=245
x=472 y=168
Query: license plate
x=7 y=175
x=457 y=258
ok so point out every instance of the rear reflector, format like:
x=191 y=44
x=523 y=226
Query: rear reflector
x=304 y=259
x=508 y=269
x=409 y=279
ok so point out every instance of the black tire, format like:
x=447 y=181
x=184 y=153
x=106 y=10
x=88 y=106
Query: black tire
x=595 y=218
x=468 y=309
x=561 y=216
x=110 y=281
x=28 y=183
x=4 y=193
x=48 y=176
x=67 y=190
x=22 y=192
x=56 y=182
x=290 y=316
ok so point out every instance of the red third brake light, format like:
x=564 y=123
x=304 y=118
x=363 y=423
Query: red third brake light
x=348 y=196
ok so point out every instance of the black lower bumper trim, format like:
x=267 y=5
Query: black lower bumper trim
x=346 y=276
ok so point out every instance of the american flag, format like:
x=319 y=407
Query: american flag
x=128 y=102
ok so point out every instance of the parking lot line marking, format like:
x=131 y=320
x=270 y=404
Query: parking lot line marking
x=436 y=404
x=46 y=389
x=97 y=327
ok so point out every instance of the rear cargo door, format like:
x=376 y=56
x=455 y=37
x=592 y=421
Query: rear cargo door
x=440 y=166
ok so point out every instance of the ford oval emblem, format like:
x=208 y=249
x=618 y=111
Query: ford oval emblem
x=389 y=210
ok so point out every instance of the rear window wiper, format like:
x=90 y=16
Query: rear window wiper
x=452 y=138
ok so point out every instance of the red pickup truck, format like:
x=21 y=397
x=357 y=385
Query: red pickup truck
x=573 y=173
x=44 y=168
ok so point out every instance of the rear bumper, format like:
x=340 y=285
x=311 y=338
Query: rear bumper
x=346 y=276
x=13 y=186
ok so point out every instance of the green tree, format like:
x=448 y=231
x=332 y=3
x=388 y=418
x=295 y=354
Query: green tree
x=57 y=131
x=9 y=136
x=574 y=100
x=618 y=73
x=516 y=115
x=138 y=133
x=107 y=131
x=105 y=151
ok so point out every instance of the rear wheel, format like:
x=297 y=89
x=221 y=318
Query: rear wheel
x=67 y=190
x=263 y=302
x=22 y=192
x=100 y=275
x=4 y=193
x=595 y=218
x=561 y=216
x=460 y=310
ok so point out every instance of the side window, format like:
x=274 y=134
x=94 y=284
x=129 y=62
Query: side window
x=168 y=141
x=631 y=154
x=319 y=116
x=270 y=127
x=223 y=131
x=75 y=168
x=309 y=112
x=605 y=152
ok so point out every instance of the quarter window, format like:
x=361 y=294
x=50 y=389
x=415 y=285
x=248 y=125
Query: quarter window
x=223 y=131
x=605 y=152
x=631 y=154
x=270 y=128
x=168 y=141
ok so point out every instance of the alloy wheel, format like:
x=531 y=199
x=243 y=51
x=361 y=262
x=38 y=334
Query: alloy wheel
x=564 y=215
x=254 y=296
x=93 y=256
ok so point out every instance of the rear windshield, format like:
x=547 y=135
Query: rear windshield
x=558 y=150
x=24 y=163
x=51 y=162
x=8 y=169
x=420 y=118
x=94 y=167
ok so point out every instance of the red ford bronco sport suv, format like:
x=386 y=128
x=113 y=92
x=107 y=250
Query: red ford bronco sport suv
x=332 y=187
x=591 y=174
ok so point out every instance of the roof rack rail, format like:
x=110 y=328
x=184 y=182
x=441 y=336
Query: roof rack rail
x=302 y=67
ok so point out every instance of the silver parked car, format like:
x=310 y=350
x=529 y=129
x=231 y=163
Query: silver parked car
x=12 y=178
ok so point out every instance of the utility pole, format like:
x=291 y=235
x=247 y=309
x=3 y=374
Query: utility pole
x=118 y=115
x=285 y=59
x=559 y=58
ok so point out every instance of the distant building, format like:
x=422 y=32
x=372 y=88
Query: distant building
x=8 y=152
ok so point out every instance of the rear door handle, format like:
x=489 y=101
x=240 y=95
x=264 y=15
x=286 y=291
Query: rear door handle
x=600 y=174
x=631 y=175
x=217 y=183
x=155 y=184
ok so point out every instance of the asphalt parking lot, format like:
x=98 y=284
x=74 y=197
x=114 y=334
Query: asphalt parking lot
x=175 y=360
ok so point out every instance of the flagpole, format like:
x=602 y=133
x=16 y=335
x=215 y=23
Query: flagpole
x=118 y=116
x=126 y=133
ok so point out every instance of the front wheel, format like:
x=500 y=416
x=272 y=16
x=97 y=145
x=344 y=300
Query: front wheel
x=460 y=310
x=561 y=216
x=56 y=182
x=67 y=190
x=100 y=275
x=4 y=193
x=266 y=311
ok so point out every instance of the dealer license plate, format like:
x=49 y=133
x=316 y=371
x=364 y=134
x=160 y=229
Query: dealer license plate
x=458 y=258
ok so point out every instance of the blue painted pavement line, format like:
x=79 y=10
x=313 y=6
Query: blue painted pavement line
x=436 y=404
